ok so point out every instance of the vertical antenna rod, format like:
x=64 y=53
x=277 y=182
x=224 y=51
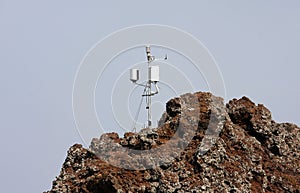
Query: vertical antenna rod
x=148 y=99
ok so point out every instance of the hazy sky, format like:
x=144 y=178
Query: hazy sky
x=255 y=43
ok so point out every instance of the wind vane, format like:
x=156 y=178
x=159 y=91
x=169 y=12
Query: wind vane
x=153 y=79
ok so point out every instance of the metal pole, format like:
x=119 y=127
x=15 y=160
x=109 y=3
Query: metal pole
x=149 y=57
x=149 y=97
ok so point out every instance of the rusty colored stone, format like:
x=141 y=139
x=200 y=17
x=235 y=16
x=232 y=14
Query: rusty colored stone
x=252 y=153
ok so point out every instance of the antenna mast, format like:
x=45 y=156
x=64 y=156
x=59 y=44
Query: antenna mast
x=150 y=58
x=153 y=78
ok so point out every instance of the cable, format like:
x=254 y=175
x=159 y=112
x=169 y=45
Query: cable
x=138 y=112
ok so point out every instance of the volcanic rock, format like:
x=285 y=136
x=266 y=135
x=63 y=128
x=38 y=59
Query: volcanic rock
x=200 y=145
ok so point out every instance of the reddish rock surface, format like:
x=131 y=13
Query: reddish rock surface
x=201 y=145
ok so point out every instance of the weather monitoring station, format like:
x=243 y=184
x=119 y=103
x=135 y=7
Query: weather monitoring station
x=150 y=87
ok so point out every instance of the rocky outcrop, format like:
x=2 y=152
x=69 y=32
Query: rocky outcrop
x=201 y=145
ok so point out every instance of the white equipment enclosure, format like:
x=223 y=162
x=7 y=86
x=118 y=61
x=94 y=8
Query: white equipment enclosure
x=134 y=75
x=154 y=73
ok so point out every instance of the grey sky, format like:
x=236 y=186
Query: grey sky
x=255 y=43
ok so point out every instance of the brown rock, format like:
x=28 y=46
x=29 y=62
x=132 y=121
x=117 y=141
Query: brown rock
x=232 y=148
